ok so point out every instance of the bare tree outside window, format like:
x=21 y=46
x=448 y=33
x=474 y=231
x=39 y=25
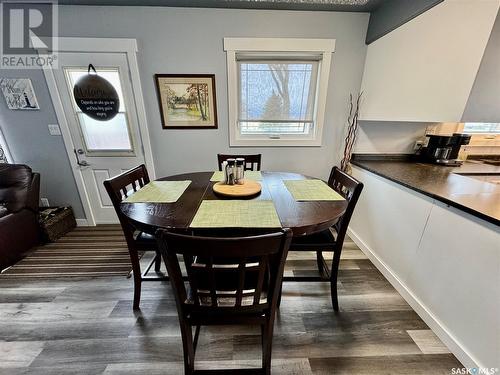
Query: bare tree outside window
x=281 y=77
x=278 y=97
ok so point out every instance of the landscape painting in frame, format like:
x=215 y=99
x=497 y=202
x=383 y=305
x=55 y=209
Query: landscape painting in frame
x=19 y=93
x=187 y=101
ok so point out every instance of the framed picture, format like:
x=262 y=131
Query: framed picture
x=19 y=93
x=187 y=101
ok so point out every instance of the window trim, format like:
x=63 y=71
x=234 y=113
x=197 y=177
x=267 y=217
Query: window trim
x=232 y=46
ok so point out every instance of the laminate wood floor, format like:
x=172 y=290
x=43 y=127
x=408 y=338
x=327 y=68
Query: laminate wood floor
x=87 y=326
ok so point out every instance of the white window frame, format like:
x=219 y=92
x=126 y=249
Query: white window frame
x=280 y=46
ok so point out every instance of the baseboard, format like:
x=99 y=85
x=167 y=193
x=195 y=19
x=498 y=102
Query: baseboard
x=427 y=316
x=82 y=223
x=85 y=223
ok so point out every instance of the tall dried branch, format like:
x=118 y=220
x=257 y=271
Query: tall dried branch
x=352 y=131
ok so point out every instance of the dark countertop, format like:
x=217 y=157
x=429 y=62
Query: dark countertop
x=476 y=197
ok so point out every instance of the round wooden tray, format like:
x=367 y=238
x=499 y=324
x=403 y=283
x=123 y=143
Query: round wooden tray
x=249 y=188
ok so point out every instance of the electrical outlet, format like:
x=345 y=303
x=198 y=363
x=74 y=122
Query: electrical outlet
x=45 y=202
x=54 y=129
x=418 y=145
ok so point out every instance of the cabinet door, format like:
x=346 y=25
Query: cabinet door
x=457 y=277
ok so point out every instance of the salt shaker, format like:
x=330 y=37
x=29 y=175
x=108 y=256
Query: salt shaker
x=230 y=171
x=224 y=177
x=240 y=171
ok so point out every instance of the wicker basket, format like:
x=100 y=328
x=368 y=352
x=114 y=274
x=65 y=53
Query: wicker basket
x=55 y=222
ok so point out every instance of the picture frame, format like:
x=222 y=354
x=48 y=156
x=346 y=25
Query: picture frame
x=19 y=93
x=187 y=101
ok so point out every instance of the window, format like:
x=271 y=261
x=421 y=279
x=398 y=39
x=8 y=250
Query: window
x=277 y=97
x=277 y=90
x=102 y=137
x=4 y=151
x=481 y=127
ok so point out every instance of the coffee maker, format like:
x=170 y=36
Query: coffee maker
x=443 y=149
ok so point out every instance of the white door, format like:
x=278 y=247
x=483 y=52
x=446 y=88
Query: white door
x=102 y=149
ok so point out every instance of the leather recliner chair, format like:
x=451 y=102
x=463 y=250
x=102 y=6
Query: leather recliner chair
x=19 y=206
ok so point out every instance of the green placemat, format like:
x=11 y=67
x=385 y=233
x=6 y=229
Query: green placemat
x=251 y=175
x=159 y=192
x=312 y=190
x=236 y=214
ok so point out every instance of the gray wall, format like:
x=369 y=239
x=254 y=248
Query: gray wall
x=484 y=101
x=189 y=40
x=30 y=143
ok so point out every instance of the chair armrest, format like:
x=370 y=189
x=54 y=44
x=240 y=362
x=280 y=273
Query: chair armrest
x=19 y=232
x=33 y=200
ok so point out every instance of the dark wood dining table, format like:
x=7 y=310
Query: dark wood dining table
x=303 y=218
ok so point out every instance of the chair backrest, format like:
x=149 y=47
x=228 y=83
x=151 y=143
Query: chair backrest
x=119 y=187
x=227 y=275
x=350 y=189
x=252 y=162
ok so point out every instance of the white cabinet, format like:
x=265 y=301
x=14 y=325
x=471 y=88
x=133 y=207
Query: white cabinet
x=444 y=262
x=425 y=69
x=457 y=276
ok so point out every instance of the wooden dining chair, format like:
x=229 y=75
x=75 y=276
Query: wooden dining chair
x=119 y=188
x=231 y=281
x=252 y=162
x=331 y=239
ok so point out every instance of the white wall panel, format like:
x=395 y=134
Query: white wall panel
x=424 y=70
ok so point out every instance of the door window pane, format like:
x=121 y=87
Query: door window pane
x=112 y=76
x=102 y=136
x=105 y=135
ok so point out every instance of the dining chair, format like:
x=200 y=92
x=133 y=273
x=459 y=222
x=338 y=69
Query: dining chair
x=231 y=281
x=119 y=188
x=332 y=239
x=252 y=162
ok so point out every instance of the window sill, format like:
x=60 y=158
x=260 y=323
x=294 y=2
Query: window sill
x=275 y=143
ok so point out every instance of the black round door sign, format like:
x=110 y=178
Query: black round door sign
x=96 y=96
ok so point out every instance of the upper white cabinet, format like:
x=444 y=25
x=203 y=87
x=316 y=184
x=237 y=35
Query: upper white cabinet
x=424 y=70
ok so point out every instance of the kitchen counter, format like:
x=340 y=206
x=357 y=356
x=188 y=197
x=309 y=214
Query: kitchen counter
x=446 y=184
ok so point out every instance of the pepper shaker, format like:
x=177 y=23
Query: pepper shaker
x=230 y=171
x=240 y=171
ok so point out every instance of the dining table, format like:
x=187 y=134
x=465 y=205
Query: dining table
x=302 y=217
